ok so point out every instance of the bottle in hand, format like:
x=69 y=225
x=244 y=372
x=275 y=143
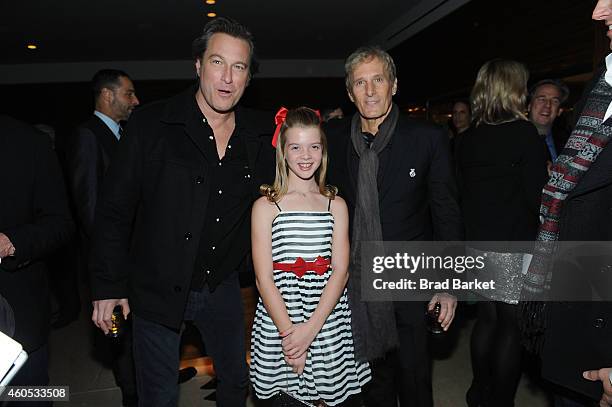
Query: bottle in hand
x=117 y=322
x=431 y=317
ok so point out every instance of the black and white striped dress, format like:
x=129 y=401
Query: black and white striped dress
x=331 y=372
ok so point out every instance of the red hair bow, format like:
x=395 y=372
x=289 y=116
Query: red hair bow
x=279 y=119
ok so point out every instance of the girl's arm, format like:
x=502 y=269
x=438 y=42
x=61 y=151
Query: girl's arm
x=298 y=341
x=262 y=216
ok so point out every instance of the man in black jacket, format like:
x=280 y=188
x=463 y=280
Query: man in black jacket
x=34 y=221
x=92 y=150
x=172 y=229
x=576 y=206
x=396 y=177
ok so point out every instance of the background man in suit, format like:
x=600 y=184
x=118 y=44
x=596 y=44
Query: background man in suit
x=95 y=144
x=397 y=179
x=545 y=100
x=93 y=148
x=34 y=221
x=576 y=202
x=172 y=229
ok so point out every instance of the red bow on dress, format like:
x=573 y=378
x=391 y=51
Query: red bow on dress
x=279 y=119
x=300 y=266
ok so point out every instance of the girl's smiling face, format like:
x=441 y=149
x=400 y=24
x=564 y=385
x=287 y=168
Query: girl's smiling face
x=303 y=151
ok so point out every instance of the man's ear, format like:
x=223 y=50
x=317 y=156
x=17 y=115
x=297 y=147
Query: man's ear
x=394 y=90
x=350 y=95
x=198 y=65
x=107 y=95
x=560 y=111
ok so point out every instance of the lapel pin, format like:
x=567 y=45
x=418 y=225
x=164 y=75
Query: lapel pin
x=412 y=173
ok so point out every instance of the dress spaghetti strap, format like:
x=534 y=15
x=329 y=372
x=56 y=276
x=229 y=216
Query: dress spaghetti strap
x=279 y=208
x=329 y=204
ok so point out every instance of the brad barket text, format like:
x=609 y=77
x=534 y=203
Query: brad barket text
x=425 y=284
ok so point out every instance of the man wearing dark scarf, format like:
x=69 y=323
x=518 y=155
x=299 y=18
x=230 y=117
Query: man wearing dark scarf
x=575 y=338
x=397 y=179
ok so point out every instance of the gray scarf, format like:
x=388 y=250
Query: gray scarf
x=373 y=322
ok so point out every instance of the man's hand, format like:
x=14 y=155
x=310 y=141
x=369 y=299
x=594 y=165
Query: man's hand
x=602 y=375
x=448 y=304
x=103 y=309
x=6 y=247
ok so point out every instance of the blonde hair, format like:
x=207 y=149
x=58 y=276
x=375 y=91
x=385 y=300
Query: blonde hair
x=500 y=92
x=298 y=117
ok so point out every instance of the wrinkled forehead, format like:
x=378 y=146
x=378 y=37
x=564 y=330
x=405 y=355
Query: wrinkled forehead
x=547 y=90
x=371 y=65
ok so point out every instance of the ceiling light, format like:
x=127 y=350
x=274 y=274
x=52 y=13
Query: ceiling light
x=211 y=14
x=211 y=1
x=31 y=46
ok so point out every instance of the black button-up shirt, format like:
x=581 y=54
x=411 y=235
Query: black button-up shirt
x=225 y=234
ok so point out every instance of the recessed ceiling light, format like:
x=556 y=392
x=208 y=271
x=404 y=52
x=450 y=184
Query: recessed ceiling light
x=211 y=14
x=211 y=1
x=31 y=46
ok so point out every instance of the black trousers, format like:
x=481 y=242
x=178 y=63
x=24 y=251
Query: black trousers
x=219 y=318
x=118 y=353
x=123 y=364
x=403 y=374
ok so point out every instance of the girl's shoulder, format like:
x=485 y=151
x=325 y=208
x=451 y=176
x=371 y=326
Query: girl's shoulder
x=262 y=200
x=337 y=204
x=339 y=200
x=264 y=205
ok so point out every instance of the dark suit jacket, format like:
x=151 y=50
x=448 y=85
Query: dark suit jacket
x=579 y=336
x=92 y=149
x=34 y=215
x=154 y=201
x=419 y=207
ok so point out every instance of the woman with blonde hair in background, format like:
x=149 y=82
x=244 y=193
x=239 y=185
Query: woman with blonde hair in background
x=501 y=165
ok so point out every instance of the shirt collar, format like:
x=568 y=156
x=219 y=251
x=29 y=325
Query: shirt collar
x=199 y=117
x=367 y=135
x=608 y=75
x=112 y=125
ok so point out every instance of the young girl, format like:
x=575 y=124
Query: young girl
x=302 y=342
